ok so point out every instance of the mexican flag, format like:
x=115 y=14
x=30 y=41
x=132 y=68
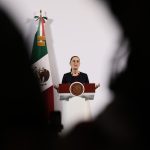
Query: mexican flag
x=41 y=65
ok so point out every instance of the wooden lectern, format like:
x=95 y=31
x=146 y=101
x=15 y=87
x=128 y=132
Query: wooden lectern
x=67 y=91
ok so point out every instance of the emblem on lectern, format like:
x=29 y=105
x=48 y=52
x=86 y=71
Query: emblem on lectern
x=76 y=88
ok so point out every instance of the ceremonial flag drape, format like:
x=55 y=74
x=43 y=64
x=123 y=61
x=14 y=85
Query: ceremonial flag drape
x=41 y=65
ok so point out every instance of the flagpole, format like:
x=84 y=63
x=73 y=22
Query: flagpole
x=40 y=13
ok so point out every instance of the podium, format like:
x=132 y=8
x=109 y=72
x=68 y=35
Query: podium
x=67 y=91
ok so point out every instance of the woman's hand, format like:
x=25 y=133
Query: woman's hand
x=96 y=86
x=56 y=87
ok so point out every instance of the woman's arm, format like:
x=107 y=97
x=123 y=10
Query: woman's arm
x=64 y=79
x=87 y=79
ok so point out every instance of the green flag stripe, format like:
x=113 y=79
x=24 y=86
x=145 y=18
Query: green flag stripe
x=38 y=51
x=38 y=31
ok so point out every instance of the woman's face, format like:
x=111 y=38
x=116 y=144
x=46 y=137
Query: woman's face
x=75 y=63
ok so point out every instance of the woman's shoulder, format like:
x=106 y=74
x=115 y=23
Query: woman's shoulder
x=82 y=73
x=67 y=74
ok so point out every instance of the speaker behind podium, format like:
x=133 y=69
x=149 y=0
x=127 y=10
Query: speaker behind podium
x=67 y=91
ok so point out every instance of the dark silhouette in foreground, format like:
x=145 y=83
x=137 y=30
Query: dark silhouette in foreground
x=124 y=123
x=25 y=123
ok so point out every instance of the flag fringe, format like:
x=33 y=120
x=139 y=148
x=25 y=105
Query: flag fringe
x=40 y=43
x=41 y=38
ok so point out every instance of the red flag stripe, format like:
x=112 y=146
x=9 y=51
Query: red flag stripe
x=48 y=95
x=43 y=31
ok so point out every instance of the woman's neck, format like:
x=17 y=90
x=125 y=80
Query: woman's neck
x=75 y=72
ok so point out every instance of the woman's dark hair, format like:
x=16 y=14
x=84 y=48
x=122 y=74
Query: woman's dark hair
x=73 y=57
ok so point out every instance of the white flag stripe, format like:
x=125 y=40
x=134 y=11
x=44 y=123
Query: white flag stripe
x=44 y=63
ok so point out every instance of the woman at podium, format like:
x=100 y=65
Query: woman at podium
x=75 y=75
